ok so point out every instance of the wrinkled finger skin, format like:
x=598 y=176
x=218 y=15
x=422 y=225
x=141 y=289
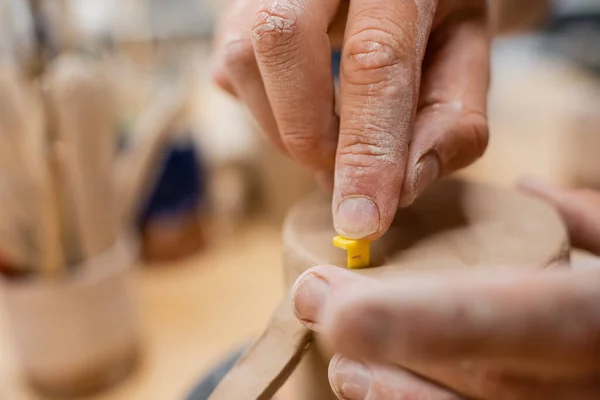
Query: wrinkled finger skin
x=235 y=69
x=516 y=336
x=413 y=106
x=414 y=80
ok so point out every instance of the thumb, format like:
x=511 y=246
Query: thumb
x=580 y=209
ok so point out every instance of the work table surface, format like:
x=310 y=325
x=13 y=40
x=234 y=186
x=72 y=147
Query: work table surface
x=193 y=313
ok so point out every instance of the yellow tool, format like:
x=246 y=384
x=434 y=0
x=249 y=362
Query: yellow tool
x=359 y=251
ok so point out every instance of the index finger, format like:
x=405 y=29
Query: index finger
x=379 y=82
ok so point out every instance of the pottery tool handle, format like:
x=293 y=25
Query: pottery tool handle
x=133 y=171
x=13 y=248
x=14 y=161
x=265 y=367
x=50 y=227
x=84 y=107
x=24 y=167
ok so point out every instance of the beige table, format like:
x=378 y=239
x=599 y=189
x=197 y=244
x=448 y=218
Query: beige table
x=193 y=313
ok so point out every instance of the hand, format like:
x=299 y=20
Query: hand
x=414 y=80
x=527 y=335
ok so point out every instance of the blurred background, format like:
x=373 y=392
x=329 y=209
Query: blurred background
x=151 y=313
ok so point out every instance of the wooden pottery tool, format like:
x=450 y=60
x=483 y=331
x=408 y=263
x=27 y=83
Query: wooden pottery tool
x=78 y=332
x=13 y=246
x=133 y=171
x=84 y=107
x=16 y=192
x=454 y=225
x=28 y=187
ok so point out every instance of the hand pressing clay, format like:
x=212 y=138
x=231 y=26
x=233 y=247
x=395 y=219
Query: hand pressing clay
x=454 y=225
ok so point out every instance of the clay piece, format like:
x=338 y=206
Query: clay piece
x=454 y=225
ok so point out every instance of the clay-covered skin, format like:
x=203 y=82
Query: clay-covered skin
x=490 y=334
x=413 y=86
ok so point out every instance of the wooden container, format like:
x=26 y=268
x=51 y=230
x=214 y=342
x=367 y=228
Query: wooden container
x=454 y=225
x=78 y=333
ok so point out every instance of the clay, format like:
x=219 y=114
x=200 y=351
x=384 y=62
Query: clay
x=454 y=225
x=463 y=225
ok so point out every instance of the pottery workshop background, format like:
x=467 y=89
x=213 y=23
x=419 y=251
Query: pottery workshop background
x=141 y=208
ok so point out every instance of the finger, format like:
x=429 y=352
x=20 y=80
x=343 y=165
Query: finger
x=312 y=288
x=474 y=379
x=543 y=321
x=354 y=380
x=478 y=381
x=379 y=81
x=580 y=209
x=236 y=70
x=294 y=56
x=218 y=71
x=451 y=126
x=219 y=76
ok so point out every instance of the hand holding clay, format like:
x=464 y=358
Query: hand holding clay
x=518 y=335
x=414 y=79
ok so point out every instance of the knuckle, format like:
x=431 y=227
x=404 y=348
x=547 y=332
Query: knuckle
x=276 y=27
x=301 y=141
x=461 y=134
x=365 y=150
x=371 y=49
x=377 y=53
x=238 y=53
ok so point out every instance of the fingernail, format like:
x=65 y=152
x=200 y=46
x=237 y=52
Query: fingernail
x=428 y=171
x=308 y=296
x=350 y=379
x=357 y=217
